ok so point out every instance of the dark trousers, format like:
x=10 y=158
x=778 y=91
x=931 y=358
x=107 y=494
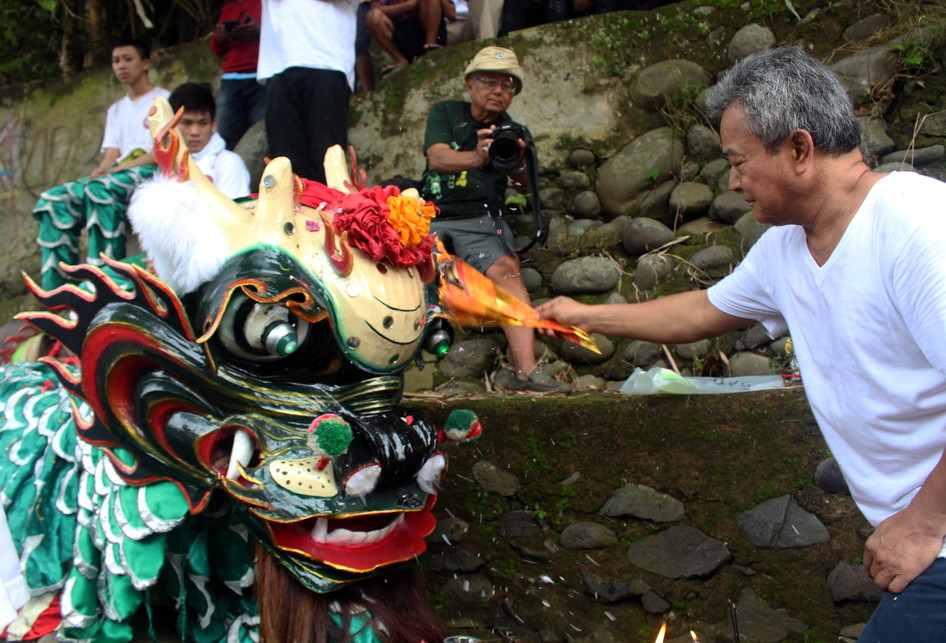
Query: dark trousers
x=306 y=113
x=240 y=103
x=915 y=615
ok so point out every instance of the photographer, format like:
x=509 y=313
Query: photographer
x=473 y=149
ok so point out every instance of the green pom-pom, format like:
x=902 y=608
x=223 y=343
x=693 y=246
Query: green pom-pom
x=463 y=426
x=332 y=435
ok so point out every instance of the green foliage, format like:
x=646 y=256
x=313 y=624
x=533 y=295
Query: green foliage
x=29 y=42
x=915 y=55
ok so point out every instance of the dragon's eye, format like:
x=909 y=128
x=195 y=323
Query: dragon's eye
x=261 y=332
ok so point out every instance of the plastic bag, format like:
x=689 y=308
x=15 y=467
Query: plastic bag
x=663 y=380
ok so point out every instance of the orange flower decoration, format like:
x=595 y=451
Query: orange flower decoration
x=410 y=218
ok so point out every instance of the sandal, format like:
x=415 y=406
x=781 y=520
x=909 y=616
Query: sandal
x=431 y=47
x=389 y=69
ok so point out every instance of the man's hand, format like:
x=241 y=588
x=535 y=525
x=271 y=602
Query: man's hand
x=248 y=29
x=900 y=549
x=221 y=33
x=564 y=310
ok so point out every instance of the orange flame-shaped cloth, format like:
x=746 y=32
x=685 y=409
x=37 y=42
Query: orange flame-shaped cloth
x=470 y=298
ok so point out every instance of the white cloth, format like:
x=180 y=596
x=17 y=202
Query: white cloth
x=13 y=591
x=316 y=34
x=126 y=125
x=867 y=328
x=225 y=168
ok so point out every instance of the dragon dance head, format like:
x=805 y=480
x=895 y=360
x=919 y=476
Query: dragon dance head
x=260 y=362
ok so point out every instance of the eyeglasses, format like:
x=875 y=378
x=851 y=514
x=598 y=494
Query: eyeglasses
x=508 y=85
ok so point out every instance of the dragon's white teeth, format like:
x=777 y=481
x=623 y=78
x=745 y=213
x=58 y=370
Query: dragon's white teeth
x=348 y=538
x=428 y=478
x=242 y=452
x=320 y=531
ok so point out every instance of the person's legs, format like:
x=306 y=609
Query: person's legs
x=106 y=203
x=916 y=614
x=486 y=244
x=230 y=116
x=254 y=99
x=484 y=18
x=325 y=110
x=431 y=19
x=285 y=120
x=364 y=65
x=381 y=29
x=60 y=213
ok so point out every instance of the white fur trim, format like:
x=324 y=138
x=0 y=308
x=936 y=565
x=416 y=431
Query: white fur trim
x=187 y=247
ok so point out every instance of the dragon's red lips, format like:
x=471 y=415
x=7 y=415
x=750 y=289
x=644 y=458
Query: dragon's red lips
x=361 y=543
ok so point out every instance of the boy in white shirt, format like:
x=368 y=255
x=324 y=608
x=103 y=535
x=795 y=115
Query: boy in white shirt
x=97 y=202
x=198 y=128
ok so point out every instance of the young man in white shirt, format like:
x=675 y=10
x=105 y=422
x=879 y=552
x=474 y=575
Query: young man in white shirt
x=97 y=202
x=198 y=128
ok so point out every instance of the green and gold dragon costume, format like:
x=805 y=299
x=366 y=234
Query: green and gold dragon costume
x=247 y=393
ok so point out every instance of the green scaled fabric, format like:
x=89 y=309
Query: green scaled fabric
x=97 y=205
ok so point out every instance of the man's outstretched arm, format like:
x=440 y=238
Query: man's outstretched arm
x=675 y=319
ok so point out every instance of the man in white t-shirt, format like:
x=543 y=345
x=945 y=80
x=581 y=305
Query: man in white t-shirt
x=855 y=269
x=198 y=128
x=307 y=60
x=97 y=202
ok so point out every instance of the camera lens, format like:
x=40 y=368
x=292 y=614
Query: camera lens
x=504 y=151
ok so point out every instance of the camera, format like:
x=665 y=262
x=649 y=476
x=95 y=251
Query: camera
x=505 y=150
x=230 y=25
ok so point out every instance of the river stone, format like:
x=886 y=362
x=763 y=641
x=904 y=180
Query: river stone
x=713 y=170
x=895 y=167
x=689 y=171
x=643 y=502
x=860 y=72
x=679 y=552
x=469 y=358
x=691 y=198
x=653 y=603
x=515 y=524
x=665 y=79
x=609 y=591
x=916 y=157
x=750 y=229
x=575 y=354
x=829 y=478
x=760 y=623
x=756 y=336
x=643 y=234
x=494 y=480
x=713 y=257
x=781 y=524
x=722 y=185
x=750 y=39
x=580 y=227
x=875 y=142
x=587 y=535
x=581 y=158
x=649 y=158
x=934 y=124
x=641 y=353
x=866 y=27
x=729 y=206
x=745 y=363
x=651 y=269
x=470 y=588
x=585 y=275
x=849 y=582
x=655 y=204
x=585 y=205
x=573 y=180
x=702 y=142
x=532 y=278
x=450 y=530
x=252 y=147
x=461 y=560
x=699 y=348
x=552 y=197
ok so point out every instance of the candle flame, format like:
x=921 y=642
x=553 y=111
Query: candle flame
x=693 y=636
x=661 y=633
